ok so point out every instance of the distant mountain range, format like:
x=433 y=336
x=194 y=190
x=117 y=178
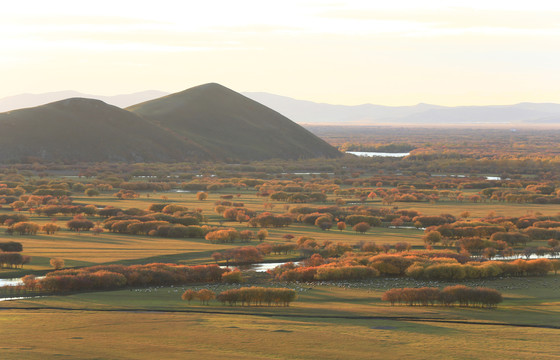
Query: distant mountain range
x=308 y=112
x=207 y=122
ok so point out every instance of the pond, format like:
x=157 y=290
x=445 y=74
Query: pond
x=490 y=178
x=524 y=257
x=406 y=227
x=15 y=282
x=264 y=267
x=379 y=154
x=308 y=173
x=19 y=298
x=11 y=282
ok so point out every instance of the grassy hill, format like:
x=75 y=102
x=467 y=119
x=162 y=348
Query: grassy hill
x=80 y=129
x=208 y=122
x=231 y=126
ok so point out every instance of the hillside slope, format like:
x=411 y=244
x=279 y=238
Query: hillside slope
x=231 y=126
x=80 y=129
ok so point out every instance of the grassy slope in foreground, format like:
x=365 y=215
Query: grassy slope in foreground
x=132 y=331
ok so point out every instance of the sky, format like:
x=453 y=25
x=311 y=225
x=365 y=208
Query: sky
x=341 y=52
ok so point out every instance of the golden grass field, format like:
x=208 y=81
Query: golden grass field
x=327 y=321
x=54 y=334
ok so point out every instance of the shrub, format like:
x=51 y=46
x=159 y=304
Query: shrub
x=361 y=227
x=232 y=277
x=11 y=246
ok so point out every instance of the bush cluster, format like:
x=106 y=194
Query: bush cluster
x=119 y=276
x=428 y=265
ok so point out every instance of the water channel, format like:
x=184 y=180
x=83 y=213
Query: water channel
x=379 y=154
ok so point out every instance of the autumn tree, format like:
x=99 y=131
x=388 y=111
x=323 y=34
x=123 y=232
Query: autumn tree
x=369 y=247
x=188 y=295
x=324 y=222
x=217 y=256
x=91 y=192
x=205 y=295
x=127 y=194
x=402 y=246
x=222 y=236
x=244 y=255
x=50 y=228
x=489 y=253
x=97 y=230
x=24 y=228
x=57 y=263
x=432 y=237
x=341 y=225
x=241 y=217
x=29 y=281
x=361 y=227
x=246 y=235
x=17 y=205
x=555 y=265
x=262 y=234
x=314 y=260
x=79 y=223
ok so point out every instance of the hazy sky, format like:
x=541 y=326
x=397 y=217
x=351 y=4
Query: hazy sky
x=346 y=52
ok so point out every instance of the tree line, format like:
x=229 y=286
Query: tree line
x=448 y=296
x=257 y=296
